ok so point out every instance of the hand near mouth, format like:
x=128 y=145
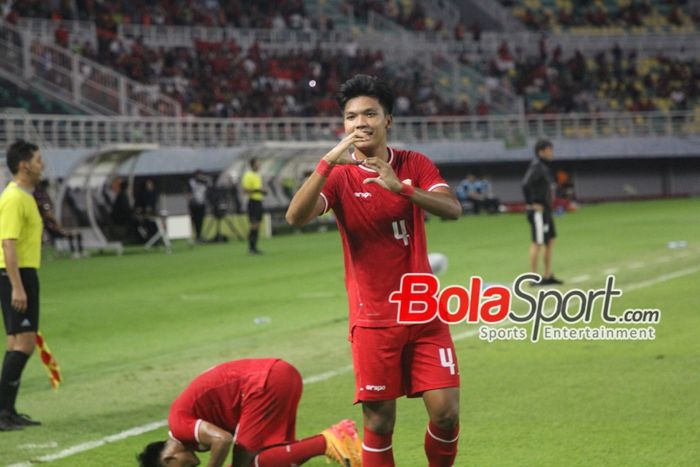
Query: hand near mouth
x=340 y=153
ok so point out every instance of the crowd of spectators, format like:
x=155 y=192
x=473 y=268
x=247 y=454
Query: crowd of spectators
x=109 y=13
x=220 y=79
x=612 y=80
x=544 y=15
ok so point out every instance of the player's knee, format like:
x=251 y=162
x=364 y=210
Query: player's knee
x=380 y=426
x=25 y=343
x=447 y=418
x=379 y=419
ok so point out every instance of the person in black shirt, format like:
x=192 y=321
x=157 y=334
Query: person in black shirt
x=538 y=184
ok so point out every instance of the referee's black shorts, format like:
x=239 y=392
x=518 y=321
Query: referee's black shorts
x=18 y=322
x=255 y=210
x=541 y=226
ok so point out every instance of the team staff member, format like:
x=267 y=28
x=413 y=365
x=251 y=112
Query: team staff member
x=538 y=185
x=249 y=406
x=253 y=186
x=20 y=258
x=379 y=195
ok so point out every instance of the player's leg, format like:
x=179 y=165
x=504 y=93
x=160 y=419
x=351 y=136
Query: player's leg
x=442 y=434
x=254 y=216
x=547 y=258
x=431 y=363
x=549 y=247
x=537 y=232
x=21 y=340
x=377 y=354
x=268 y=425
x=379 y=418
x=534 y=255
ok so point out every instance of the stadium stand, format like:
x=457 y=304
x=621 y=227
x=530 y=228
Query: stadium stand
x=13 y=98
x=633 y=16
x=608 y=81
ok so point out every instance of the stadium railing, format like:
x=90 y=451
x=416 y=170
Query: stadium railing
x=45 y=29
x=96 y=131
x=185 y=36
x=80 y=82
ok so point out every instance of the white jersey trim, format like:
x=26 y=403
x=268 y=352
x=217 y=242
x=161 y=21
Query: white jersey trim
x=325 y=203
x=442 y=440
x=438 y=185
x=196 y=430
x=364 y=446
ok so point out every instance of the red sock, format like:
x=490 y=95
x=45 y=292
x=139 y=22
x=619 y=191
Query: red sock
x=376 y=450
x=441 y=445
x=293 y=453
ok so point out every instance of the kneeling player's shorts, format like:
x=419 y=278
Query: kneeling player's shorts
x=17 y=322
x=403 y=360
x=541 y=226
x=268 y=416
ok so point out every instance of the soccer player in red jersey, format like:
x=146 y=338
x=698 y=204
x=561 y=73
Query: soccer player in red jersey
x=248 y=406
x=379 y=195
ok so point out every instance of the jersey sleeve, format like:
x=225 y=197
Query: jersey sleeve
x=184 y=428
x=428 y=176
x=11 y=219
x=329 y=193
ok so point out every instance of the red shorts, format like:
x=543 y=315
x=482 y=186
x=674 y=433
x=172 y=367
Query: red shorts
x=403 y=360
x=269 y=417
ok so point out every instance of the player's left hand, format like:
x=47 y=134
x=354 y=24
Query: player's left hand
x=387 y=177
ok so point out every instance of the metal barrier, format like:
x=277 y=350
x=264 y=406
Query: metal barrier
x=97 y=131
x=45 y=29
x=74 y=79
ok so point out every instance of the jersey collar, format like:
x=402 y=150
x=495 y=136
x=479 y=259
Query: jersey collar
x=391 y=159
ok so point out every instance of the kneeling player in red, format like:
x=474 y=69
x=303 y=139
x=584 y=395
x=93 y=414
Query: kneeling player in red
x=249 y=406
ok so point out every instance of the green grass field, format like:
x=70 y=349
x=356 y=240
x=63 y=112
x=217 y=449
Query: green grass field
x=130 y=332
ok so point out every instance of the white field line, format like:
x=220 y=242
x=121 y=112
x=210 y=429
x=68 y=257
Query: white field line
x=89 y=445
x=581 y=278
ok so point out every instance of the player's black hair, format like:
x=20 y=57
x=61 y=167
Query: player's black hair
x=150 y=457
x=365 y=85
x=252 y=162
x=541 y=145
x=20 y=151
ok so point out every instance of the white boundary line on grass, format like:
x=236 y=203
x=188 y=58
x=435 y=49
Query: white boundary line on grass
x=89 y=445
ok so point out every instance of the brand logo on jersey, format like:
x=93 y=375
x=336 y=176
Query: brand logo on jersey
x=26 y=323
x=363 y=195
x=372 y=387
x=408 y=181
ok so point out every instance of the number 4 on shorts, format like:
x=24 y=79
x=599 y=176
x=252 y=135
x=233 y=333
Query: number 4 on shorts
x=446 y=359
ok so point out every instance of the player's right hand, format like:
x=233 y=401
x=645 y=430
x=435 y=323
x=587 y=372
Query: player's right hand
x=19 y=299
x=339 y=154
x=537 y=207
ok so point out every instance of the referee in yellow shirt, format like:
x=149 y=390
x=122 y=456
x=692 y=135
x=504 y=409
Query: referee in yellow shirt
x=20 y=257
x=253 y=186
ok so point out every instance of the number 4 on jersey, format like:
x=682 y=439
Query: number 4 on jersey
x=400 y=232
x=446 y=359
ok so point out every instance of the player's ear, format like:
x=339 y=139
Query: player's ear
x=389 y=120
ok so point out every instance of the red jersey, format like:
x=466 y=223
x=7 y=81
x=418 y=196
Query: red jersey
x=383 y=233
x=216 y=396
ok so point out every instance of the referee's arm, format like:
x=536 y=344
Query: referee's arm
x=19 y=296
